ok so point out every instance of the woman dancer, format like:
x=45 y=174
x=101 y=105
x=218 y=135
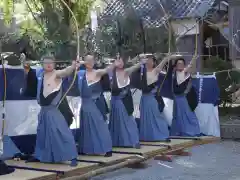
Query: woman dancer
x=185 y=122
x=153 y=126
x=55 y=141
x=122 y=124
x=94 y=137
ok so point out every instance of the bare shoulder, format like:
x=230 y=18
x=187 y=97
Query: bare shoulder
x=98 y=70
x=54 y=73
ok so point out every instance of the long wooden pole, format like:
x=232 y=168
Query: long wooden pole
x=106 y=169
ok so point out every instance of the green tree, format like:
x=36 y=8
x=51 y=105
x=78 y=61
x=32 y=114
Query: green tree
x=52 y=28
x=225 y=78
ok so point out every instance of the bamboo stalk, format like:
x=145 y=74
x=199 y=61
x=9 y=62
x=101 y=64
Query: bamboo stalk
x=105 y=169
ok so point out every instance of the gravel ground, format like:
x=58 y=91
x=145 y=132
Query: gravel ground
x=219 y=161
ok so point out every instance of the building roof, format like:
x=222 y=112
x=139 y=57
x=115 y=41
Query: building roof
x=191 y=8
x=152 y=12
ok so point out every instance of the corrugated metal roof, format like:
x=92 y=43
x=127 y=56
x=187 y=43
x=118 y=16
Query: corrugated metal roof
x=190 y=8
x=151 y=12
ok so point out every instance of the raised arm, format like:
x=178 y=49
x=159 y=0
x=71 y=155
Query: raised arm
x=65 y=72
x=168 y=59
x=161 y=65
x=102 y=72
x=191 y=67
x=68 y=70
x=135 y=67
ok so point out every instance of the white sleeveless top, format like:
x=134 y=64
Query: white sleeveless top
x=122 y=81
x=181 y=76
x=152 y=77
x=96 y=79
x=51 y=84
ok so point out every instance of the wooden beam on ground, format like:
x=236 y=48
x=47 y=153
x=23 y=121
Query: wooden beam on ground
x=185 y=138
x=106 y=169
x=27 y=174
x=168 y=156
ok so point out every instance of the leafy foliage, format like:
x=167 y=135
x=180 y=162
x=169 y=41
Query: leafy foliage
x=224 y=79
x=7 y=11
x=125 y=35
x=52 y=28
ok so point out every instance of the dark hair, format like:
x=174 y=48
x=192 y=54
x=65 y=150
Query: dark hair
x=180 y=59
x=89 y=54
x=126 y=64
x=154 y=59
x=48 y=57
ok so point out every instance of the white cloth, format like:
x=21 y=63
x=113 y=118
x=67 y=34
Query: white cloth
x=207 y=115
x=75 y=105
x=122 y=81
x=1 y=146
x=168 y=110
x=22 y=116
x=51 y=84
x=23 y=119
x=181 y=76
x=152 y=77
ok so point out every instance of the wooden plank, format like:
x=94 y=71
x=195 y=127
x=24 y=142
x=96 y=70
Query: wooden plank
x=186 y=137
x=27 y=175
x=56 y=167
x=210 y=138
x=107 y=160
x=196 y=138
x=207 y=140
x=173 y=144
x=63 y=167
x=144 y=150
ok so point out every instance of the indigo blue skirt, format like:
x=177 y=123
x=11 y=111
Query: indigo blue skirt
x=55 y=141
x=94 y=134
x=153 y=126
x=123 y=127
x=185 y=122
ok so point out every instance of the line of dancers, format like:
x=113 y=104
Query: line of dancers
x=56 y=143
